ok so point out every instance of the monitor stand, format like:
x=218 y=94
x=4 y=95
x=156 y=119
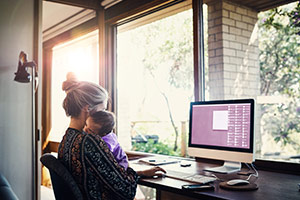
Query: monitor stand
x=228 y=167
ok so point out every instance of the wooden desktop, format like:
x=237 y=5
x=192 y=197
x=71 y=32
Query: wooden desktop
x=271 y=185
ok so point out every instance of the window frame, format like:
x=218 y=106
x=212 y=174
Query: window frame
x=107 y=21
x=87 y=27
x=199 y=67
x=112 y=21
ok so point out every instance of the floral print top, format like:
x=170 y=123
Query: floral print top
x=94 y=168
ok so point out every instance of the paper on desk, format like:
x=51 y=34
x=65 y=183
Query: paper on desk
x=158 y=161
x=139 y=167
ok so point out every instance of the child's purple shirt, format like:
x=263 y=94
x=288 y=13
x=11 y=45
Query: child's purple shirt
x=112 y=142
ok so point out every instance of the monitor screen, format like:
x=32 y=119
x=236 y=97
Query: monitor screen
x=226 y=125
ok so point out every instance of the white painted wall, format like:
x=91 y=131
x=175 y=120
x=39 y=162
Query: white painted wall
x=16 y=34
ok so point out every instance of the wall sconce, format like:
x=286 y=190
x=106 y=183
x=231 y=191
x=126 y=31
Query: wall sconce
x=23 y=76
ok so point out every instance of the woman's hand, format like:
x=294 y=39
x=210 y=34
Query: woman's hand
x=152 y=172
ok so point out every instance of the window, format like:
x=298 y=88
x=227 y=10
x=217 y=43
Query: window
x=256 y=55
x=155 y=81
x=79 y=56
x=152 y=73
x=279 y=100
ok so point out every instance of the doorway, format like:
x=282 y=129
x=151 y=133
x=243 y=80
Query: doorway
x=70 y=44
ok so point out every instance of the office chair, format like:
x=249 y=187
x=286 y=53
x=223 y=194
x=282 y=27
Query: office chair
x=6 y=192
x=64 y=185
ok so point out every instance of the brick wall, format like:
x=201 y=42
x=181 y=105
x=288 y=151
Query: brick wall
x=232 y=50
x=233 y=55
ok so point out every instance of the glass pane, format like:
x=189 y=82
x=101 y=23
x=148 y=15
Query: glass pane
x=81 y=57
x=155 y=83
x=279 y=37
x=257 y=55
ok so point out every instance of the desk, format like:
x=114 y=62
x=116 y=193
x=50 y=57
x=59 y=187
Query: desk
x=271 y=185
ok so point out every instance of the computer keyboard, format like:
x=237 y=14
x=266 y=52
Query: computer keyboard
x=195 y=178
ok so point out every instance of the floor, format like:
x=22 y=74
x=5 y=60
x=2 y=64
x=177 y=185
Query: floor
x=47 y=193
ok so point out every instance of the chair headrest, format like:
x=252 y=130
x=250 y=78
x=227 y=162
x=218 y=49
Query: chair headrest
x=58 y=168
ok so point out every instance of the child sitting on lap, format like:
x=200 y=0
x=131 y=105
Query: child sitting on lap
x=103 y=123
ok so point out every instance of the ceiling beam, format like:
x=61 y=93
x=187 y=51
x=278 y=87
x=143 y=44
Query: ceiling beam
x=273 y=4
x=262 y=5
x=89 y=4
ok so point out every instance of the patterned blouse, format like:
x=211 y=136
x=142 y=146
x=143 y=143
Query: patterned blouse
x=94 y=168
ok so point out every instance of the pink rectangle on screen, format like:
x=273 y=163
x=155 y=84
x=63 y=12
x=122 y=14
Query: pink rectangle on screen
x=209 y=129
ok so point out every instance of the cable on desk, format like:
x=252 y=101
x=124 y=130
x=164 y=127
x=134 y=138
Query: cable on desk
x=219 y=179
x=254 y=175
x=213 y=175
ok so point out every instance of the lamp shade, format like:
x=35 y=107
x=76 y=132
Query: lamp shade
x=22 y=75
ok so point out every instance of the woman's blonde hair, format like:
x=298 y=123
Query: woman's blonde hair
x=80 y=94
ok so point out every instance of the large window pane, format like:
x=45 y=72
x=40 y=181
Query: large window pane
x=81 y=57
x=257 y=55
x=155 y=82
x=279 y=38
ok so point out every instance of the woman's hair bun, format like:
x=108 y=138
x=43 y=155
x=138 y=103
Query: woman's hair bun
x=70 y=82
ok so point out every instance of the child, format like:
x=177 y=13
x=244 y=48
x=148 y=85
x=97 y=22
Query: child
x=102 y=123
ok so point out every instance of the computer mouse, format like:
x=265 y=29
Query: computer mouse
x=237 y=182
x=185 y=164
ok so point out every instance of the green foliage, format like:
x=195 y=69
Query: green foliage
x=282 y=121
x=168 y=53
x=279 y=33
x=158 y=148
x=295 y=16
x=279 y=52
x=171 y=46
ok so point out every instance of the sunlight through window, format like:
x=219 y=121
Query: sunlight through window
x=79 y=56
x=155 y=82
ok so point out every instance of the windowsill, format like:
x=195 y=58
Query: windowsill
x=133 y=155
x=278 y=166
x=268 y=165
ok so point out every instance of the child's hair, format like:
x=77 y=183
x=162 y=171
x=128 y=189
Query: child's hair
x=106 y=119
x=80 y=94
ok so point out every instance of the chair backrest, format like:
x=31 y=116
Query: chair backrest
x=64 y=185
x=6 y=192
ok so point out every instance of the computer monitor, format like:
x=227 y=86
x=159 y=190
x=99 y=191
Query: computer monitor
x=222 y=130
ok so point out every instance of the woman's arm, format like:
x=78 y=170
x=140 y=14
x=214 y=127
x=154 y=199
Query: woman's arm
x=151 y=172
x=97 y=155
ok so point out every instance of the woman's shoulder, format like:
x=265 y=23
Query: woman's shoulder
x=92 y=144
x=77 y=136
x=73 y=131
x=80 y=140
x=72 y=137
x=84 y=141
x=94 y=138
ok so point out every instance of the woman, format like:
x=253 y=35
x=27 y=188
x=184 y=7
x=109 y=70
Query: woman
x=87 y=156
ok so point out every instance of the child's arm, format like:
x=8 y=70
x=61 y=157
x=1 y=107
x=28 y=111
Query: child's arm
x=121 y=156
